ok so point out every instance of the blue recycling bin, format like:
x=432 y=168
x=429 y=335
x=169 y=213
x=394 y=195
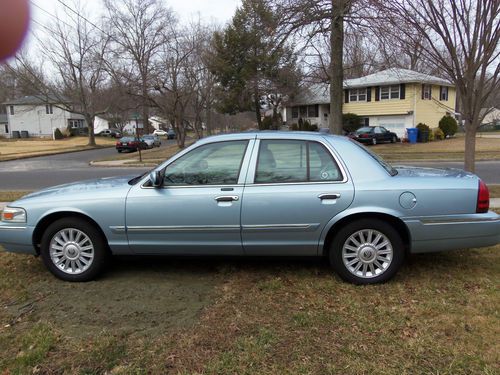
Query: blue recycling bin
x=412 y=135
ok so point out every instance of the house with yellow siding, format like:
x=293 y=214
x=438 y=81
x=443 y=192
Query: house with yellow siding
x=396 y=99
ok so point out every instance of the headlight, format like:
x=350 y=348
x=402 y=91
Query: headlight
x=14 y=215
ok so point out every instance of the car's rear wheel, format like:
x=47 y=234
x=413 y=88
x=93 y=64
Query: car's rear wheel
x=393 y=140
x=73 y=250
x=367 y=251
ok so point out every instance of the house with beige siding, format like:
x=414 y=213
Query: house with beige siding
x=396 y=99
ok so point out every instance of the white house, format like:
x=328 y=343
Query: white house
x=4 y=125
x=40 y=116
x=492 y=116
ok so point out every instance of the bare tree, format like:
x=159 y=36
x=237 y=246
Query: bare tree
x=138 y=30
x=74 y=51
x=173 y=80
x=462 y=39
x=310 y=20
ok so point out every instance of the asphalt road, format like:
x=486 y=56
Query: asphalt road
x=40 y=172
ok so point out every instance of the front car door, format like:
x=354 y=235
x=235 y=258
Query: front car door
x=198 y=209
x=294 y=187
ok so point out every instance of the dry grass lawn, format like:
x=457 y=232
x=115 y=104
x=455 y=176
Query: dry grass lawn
x=450 y=149
x=252 y=316
x=15 y=148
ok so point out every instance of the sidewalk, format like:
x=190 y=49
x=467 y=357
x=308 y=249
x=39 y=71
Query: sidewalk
x=494 y=203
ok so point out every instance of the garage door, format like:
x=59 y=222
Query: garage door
x=395 y=124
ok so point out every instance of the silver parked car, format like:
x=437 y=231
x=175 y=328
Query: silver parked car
x=300 y=194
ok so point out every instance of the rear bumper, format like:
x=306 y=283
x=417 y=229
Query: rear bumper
x=17 y=238
x=453 y=232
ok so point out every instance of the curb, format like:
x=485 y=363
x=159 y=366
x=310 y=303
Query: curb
x=125 y=163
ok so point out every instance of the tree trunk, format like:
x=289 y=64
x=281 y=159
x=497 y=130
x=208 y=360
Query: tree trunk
x=90 y=127
x=336 y=65
x=470 y=146
x=256 y=100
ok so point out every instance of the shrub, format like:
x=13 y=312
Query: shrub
x=422 y=127
x=294 y=127
x=438 y=134
x=431 y=136
x=58 y=134
x=448 y=125
x=351 y=122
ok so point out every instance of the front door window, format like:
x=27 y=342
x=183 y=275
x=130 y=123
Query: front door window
x=212 y=164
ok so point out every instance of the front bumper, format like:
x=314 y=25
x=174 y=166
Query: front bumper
x=453 y=232
x=17 y=238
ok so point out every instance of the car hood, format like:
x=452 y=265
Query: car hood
x=410 y=171
x=88 y=186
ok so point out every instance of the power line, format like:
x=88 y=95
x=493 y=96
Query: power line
x=50 y=14
x=84 y=18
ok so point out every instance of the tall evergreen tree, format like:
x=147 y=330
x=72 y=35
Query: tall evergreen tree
x=247 y=56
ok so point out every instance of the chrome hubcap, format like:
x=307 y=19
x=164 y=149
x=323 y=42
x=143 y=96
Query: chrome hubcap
x=71 y=251
x=367 y=253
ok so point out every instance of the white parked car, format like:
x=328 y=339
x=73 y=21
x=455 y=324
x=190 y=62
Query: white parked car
x=160 y=132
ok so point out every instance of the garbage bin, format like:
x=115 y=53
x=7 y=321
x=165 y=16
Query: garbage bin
x=24 y=134
x=412 y=135
x=423 y=136
x=16 y=134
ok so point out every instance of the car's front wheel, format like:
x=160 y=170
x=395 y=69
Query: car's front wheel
x=367 y=251
x=374 y=141
x=73 y=250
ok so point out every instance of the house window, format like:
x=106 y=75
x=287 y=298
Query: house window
x=357 y=95
x=303 y=111
x=6 y=128
x=75 y=124
x=295 y=112
x=11 y=110
x=426 y=92
x=48 y=109
x=312 y=111
x=389 y=92
x=443 y=94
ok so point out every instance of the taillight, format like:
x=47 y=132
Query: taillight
x=118 y=143
x=483 y=198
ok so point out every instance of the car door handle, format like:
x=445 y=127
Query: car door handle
x=329 y=196
x=227 y=198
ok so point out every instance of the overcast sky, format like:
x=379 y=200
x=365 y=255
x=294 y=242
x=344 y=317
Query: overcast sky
x=219 y=10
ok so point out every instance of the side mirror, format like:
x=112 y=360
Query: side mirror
x=156 y=179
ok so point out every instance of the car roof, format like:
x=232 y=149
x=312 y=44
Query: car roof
x=272 y=135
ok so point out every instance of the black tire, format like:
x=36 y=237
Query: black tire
x=120 y=151
x=374 y=141
x=393 y=140
x=336 y=247
x=100 y=249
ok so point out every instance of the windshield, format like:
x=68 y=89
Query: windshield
x=149 y=137
x=389 y=168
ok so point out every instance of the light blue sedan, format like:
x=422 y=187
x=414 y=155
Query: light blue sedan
x=258 y=194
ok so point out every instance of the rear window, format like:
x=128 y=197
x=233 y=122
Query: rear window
x=127 y=139
x=389 y=168
x=364 y=130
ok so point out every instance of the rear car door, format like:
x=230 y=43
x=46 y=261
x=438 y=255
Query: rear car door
x=294 y=187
